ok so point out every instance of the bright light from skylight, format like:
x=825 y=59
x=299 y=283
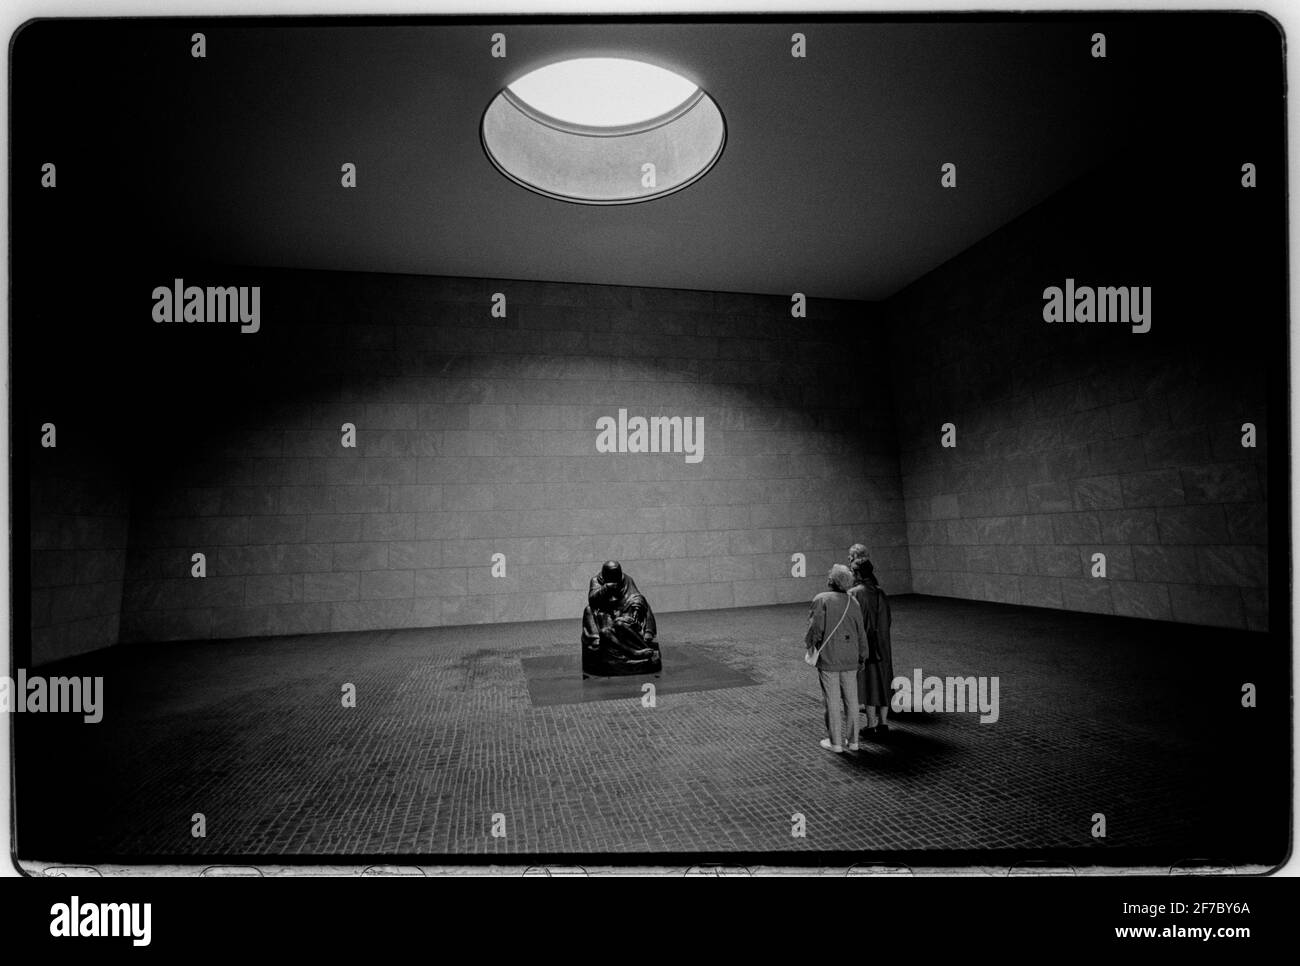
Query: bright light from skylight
x=602 y=91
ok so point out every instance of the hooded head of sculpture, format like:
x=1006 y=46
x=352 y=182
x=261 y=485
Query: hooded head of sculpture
x=611 y=573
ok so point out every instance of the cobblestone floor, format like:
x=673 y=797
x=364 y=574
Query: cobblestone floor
x=1136 y=720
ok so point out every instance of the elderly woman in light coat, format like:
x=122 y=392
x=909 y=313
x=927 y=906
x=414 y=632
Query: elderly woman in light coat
x=838 y=635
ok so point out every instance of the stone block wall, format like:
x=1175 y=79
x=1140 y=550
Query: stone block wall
x=477 y=435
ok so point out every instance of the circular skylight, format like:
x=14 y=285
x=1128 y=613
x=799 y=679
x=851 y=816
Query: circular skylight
x=602 y=91
x=603 y=131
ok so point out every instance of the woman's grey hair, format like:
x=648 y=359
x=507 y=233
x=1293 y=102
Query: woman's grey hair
x=859 y=551
x=839 y=578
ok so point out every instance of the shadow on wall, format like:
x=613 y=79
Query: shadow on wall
x=79 y=499
x=1096 y=468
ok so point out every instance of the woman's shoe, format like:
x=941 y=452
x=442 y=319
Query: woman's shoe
x=854 y=746
x=826 y=743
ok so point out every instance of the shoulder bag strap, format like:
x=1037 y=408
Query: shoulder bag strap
x=842 y=616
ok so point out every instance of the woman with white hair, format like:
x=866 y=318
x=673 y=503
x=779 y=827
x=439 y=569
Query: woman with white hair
x=837 y=645
x=875 y=684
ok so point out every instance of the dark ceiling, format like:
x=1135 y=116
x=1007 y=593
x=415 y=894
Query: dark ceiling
x=829 y=183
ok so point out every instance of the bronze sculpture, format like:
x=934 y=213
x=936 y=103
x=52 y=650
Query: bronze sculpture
x=618 y=627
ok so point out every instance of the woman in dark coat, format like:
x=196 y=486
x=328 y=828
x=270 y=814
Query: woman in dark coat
x=876 y=679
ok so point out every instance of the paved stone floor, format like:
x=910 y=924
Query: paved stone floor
x=1137 y=720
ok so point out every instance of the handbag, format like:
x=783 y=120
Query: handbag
x=812 y=654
